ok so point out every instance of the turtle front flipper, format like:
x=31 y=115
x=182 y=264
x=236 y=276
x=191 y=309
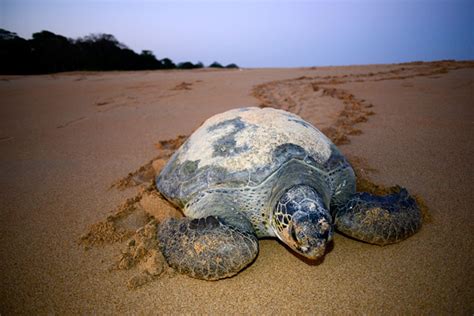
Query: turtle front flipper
x=209 y=248
x=379 y=220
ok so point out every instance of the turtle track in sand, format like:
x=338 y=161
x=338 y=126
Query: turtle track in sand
x=133 y=223
x=294 y=95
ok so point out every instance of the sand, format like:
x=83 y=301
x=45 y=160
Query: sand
x=71 y=143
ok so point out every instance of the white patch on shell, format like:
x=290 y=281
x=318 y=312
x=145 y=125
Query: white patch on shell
x=266 y=129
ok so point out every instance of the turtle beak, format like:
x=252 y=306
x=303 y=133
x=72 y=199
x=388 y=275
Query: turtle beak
x=311 y=235
x=313 y=253
x=311 y=249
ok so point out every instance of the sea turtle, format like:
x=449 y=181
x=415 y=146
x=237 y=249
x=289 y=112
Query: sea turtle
x=249 y=173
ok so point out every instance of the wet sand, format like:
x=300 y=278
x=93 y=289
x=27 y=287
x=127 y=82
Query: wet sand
x=66 y=138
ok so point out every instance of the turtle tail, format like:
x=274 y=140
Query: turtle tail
x=379 y=220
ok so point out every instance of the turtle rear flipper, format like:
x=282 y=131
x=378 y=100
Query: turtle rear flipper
x=207 y=248
x=379 y=220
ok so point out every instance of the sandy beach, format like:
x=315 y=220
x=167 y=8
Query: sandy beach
x=66 y=138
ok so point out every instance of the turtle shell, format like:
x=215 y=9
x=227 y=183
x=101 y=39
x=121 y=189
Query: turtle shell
x=243 y=147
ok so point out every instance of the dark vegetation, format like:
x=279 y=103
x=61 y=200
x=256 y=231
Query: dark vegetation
x=47 y=52
x=217 y=65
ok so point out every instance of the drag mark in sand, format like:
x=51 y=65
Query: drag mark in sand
x=102 y=103
x=183 y=86
x=71 y=122
x=6 y=139
x=121 y=100
x=115 y=106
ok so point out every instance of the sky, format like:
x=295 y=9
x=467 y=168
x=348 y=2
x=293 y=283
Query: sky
x=262 y=33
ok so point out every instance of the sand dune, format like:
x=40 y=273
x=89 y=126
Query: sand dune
x=79 y=151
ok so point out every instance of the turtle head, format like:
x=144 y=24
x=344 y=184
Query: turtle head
x=301 y=221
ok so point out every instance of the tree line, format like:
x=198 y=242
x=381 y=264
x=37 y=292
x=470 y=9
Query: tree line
x=47 y=52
